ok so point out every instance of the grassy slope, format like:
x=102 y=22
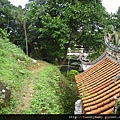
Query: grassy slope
x=11 y=73
x=53 y=94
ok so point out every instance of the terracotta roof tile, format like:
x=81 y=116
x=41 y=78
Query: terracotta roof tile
x=111 y=104
x=97 y=111
x=106 y=101
x=100 y=104
x=103 y=108
x=98 y=87
x=94 y=107
x=108 y=111
x=87 y=109
x=89 y=112
x=86 y=105
x=101 y=94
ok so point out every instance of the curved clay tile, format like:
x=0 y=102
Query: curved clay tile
x=111 y=104
x=102 y=68
x=100 y=104
x=87 y=109
x=106 y=101
x=94 y=107
x=94 y=66
x=86 y=99
x=89 y=112
x=108 y=76
x=94 y=96
x=103 y=108
x=98 y=87
x=86 y=105
x=109 y=111
x=102 y=93
x=93 y=86
x=107 y=67
x=112 y=97
x=97 y=111
x=118 y=90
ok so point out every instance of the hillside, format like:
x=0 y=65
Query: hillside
x=12 y=72
x=36 y=87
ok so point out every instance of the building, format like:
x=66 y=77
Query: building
x=99 y=85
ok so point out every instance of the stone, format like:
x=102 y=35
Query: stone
x=5 y=94
x=78 y=107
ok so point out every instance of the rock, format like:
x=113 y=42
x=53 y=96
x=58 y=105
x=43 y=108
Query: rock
x=5 y=94
x=33 y=60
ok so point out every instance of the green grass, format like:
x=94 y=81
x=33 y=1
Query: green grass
x=11 y=73
x=53 y=93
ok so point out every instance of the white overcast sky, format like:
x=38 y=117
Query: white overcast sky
x=110 y=5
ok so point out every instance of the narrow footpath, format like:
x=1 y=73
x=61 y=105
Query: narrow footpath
x=28 y=86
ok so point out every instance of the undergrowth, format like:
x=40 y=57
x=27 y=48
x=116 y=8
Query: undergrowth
x=11 y=72
x=53 y=94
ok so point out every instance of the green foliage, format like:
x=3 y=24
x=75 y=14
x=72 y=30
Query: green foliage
x=72 y=73
x=53 y=26
x=59 y=28
x=11 y=19
x=53 y=94
x=114 y=20
x=54 y=35
x=50 y=100
x=3 y=34
x=11 y=72
x=96 y=53
x=61 y=22
x=80 y=84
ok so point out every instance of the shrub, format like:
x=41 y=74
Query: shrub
x=3 y=34
x=72 y=73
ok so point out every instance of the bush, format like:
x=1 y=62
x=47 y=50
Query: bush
x=72 y=73
x=3 y=34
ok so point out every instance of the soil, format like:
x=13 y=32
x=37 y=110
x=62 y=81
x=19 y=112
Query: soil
x=28 y=86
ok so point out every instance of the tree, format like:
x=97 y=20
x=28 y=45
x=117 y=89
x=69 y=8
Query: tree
x=84 y=26
x=5 y=14
x=59 y=30
x=17 y=33
x=55 y=36
x=52 y=26
x=11 y=20
x=115 y=20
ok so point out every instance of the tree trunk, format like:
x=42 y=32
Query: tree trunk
x=24 y=26
x=62 y=61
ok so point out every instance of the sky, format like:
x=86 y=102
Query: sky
x=18 y=2
x=110 y=5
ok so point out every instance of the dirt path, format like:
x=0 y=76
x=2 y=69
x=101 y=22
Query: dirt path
x=28 y=86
